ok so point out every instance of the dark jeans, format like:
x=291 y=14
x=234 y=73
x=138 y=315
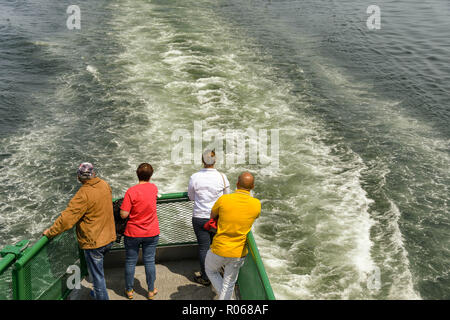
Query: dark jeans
x=94 y=261
x=204 y=239
x=148 y=255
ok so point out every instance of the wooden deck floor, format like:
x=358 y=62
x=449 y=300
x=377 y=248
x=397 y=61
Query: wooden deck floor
x=174 y=281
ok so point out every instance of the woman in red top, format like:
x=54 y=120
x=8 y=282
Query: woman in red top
x=139 y=204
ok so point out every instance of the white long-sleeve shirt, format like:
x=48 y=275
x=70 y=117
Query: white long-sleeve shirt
x=205 y=187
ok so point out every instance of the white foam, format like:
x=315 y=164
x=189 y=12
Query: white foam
x=93 y=70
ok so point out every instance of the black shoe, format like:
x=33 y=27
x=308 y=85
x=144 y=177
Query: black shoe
x=202 y=281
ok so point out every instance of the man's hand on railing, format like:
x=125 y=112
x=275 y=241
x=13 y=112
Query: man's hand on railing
x=46 y=232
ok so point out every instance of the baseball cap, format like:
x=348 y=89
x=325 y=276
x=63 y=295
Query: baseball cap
x=85 y=170
x=209 y=157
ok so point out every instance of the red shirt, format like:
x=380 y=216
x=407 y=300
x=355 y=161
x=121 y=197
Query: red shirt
x=140 y=202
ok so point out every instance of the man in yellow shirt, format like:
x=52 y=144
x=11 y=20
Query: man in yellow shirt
x=236 y=213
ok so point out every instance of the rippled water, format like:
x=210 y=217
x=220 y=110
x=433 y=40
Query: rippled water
x=363 y=119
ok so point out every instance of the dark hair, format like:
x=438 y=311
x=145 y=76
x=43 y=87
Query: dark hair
x=144 y=172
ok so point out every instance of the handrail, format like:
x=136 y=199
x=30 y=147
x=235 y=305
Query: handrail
x=6 y=262
x=31 y=252
x=174 y=195
x=19 y=279
x=12 y=253
x=260 y=266
x=169 y=196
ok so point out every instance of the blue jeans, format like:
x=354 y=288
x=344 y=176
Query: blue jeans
x=204 y=239
x=94 y=261
x=148 y=255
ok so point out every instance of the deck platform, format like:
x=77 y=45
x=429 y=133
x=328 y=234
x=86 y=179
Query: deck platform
x=174 y=281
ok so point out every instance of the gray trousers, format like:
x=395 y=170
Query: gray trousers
x=223 y=285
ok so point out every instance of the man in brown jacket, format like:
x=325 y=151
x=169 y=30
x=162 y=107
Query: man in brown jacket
x=92 y=211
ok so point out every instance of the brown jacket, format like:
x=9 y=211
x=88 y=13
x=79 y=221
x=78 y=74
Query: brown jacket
x=92 y=211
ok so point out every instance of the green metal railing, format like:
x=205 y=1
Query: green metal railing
x=9 y=255
x=253 y=281
x=40 y=272
x=175 y=220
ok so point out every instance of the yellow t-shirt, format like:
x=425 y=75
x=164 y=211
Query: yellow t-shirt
x=237 y=212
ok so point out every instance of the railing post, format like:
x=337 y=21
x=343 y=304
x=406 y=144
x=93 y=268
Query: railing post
x=10 y=254
x=6 y=262
x=21 y=275
x=20 y=284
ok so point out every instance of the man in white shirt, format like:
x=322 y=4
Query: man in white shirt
x=205 y=187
